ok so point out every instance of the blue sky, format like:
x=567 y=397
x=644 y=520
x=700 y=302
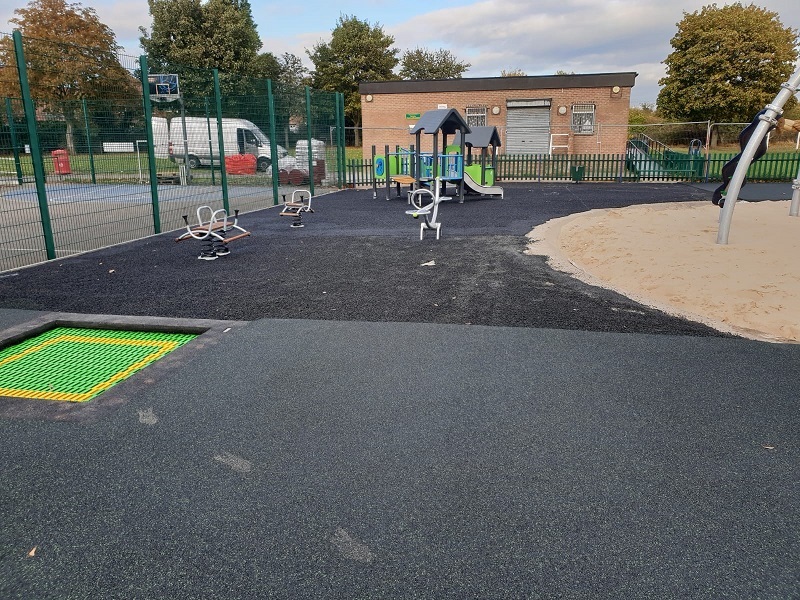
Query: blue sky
x=537 y=36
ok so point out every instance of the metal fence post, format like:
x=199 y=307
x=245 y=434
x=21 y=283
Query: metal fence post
x=36 y=152
x=88 y=140
x=210 y=145
x=342 y=140
x=151 y=154
x=339 y=153
x=14 y=143
x=310 y=148
x=223 y=172
x=273 y=143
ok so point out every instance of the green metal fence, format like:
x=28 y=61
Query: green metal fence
x=89 y=157
x=663 y=166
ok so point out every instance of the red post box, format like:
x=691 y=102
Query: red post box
x=61 y=162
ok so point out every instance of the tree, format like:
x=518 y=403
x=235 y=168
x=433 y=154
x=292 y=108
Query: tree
x=188 y=35
x=357 y=52
x=292 y=73
x=71 y=56
x=266 y=66
x=727 y=64
x=513 y=73
x=422 y=63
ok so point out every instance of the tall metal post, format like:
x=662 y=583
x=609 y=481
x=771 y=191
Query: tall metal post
x=88 y=139
x=794 y=207
x=339 y=152
x=310 y=148
x=273 y=144
x=223 y=172
x=342 y=137
x=151 y=153
x=14 y=143
x=36 y=150
x=210 y=145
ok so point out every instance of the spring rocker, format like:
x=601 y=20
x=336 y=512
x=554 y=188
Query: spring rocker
x=426 y=203
x=212 y=228
x=299 y=203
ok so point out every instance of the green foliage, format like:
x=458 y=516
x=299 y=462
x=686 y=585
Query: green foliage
x=292 y=72
x=266 y=66
x=72 y=36
x=727 y=63
x=513 y=73
x=71 y=56
x=216 y=34
x=357 y=52
x=643 y=115
x=422 y=63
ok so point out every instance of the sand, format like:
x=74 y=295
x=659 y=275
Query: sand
x=666 y=256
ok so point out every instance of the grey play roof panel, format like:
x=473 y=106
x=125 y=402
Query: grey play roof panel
x=480 y=137
x=446 y=120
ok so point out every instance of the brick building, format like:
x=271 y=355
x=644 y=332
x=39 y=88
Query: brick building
x=556 y=114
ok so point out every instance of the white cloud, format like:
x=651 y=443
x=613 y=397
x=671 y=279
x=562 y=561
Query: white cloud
x=584 y=36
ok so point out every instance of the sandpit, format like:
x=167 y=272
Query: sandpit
x=666 y=256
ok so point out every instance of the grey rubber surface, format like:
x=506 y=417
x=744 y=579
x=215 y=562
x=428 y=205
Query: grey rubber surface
x=353 y=458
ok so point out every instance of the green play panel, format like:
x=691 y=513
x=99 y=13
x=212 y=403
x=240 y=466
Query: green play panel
x=73 y=364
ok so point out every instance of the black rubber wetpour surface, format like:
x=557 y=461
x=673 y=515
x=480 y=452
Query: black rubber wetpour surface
x=360 y=259
x=571 y=450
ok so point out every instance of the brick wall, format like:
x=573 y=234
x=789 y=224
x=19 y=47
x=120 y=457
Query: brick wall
x=384 y=117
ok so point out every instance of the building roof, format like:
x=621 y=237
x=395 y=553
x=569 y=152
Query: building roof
x=479 y=137
x=538 y=82
x=446 y=120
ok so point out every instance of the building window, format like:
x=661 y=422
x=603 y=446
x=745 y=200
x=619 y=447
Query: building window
x=476 y=116
x=583 y=118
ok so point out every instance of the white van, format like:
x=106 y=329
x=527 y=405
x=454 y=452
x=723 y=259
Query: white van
x=239 y=136
x=161 y=137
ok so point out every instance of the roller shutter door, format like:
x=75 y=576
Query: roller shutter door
x=528 y=127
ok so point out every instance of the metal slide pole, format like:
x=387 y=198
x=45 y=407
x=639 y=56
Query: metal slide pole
x=768 y=120
x=794 y=207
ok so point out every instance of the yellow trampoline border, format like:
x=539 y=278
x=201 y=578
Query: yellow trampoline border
x=163 y=347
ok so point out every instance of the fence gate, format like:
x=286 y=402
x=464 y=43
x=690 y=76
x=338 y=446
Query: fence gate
x=528 y=127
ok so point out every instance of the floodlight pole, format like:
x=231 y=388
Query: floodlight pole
x=768 y=120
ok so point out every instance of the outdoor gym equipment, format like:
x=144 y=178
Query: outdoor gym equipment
x=212 y=228
x=426 y=204
x=300 y=203
x=767 y=120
